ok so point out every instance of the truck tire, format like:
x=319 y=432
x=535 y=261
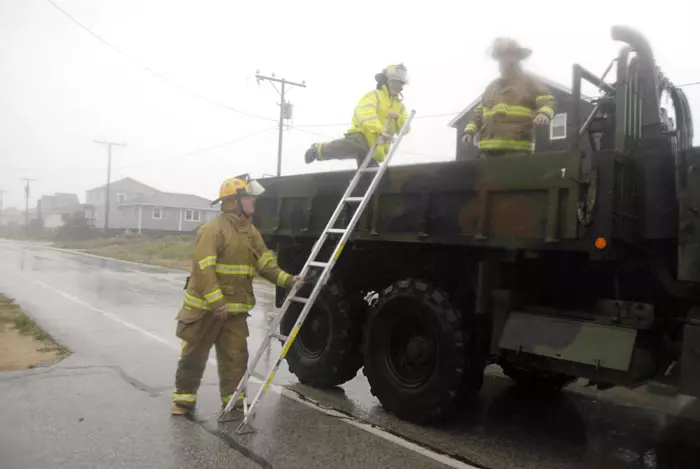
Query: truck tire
x=535 y=381
x=326 y=352
x=414 y=351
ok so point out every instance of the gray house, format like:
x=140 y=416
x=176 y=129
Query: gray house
x=138 y=207
x=557 y=136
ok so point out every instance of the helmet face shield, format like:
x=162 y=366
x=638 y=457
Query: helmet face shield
x=256 y=189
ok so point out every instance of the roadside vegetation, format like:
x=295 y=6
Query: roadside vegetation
x=173 y=251
x=22 y=343
x=168 y=251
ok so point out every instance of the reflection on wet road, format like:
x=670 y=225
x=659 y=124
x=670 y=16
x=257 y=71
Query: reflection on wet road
x=123 y=314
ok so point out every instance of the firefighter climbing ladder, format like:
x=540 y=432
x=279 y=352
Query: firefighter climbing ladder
x=321 y=279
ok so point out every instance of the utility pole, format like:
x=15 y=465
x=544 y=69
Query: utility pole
x=285 y=109
x=1 y=205
x=26 y=203
x=109 y=176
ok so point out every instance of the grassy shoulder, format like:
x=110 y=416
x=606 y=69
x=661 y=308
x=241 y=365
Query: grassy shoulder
x=167 y=251
x=22 y=343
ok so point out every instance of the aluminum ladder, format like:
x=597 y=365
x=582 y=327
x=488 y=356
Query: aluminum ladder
x=321 y=279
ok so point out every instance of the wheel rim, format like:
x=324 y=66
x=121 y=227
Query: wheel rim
x=313 y=337
x=411 y=349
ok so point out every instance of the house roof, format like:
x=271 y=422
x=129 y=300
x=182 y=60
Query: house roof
x=549 y=83
x=170 y=199
x=122 y=180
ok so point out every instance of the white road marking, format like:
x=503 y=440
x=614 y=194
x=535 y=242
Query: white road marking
x=109 y=315
x=369 y=428
x=380 y=432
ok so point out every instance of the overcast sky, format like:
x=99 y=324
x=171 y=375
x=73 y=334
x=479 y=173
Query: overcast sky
x=61 y=88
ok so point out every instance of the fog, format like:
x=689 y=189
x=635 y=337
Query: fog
x=168 y=78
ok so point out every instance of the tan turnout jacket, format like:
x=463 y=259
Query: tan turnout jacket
x=229 y=251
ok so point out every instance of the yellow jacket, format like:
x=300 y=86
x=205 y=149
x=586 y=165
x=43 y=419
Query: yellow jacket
x=228 y=252
x=371 y=114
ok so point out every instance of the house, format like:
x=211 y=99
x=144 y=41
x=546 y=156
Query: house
x=11 y=217
x=557 y=136
x=138 y=207
x=52 y=209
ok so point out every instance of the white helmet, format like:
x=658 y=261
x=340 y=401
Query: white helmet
x=396 y=72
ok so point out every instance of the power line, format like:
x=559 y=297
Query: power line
x=689 y=84
x=201 y=150
x=153 y=72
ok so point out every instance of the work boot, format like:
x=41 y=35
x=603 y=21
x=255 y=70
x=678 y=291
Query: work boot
x=183 y=403
x=179 y=409
x=311 y=154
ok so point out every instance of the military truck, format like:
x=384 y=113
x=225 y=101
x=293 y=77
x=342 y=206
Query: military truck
x=554 y=265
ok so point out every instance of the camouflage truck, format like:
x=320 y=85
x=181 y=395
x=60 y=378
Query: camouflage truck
x=555 y=265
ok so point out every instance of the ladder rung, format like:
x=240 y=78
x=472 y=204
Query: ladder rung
x=279 y=336
x=299 y=299
x=322 y=265
x=337 y=230
x=354 y=199
x=255 y=374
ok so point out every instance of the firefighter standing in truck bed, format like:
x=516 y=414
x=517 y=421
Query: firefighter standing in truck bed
x=219 y=294
x=369 y=121
x=510 y=106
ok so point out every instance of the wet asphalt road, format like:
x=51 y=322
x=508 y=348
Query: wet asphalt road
x=107 y=405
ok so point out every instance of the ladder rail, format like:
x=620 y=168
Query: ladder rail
x=322 y=279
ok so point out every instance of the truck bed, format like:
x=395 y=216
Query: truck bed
x=527 y=201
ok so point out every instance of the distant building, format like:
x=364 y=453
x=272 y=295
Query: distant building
x=52 y=209
x=557 y=136
x=138 y=207
x=11 y=217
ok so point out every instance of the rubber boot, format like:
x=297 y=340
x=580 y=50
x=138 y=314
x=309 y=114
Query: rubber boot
x=181 y=409
x=311 y=154
x=183 y=404
x=238 y=404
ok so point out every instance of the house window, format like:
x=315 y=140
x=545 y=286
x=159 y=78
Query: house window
x=135 y=211
x=557 y=127
x=192 y=215
x=121 y=198
x=157 y=213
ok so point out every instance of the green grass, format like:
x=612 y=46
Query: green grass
x=168 y=251
x=11 y=314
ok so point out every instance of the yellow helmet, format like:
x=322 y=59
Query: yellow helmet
x=239 y=186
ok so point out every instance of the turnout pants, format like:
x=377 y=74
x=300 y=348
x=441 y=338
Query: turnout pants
x=229 y=336
x=353 y=145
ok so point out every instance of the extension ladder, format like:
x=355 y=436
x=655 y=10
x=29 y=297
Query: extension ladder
x=312 y=262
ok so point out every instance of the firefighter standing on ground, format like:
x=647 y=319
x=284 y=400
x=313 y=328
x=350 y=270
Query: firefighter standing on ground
x=510 y=106
x=369 y=121
x=219 y=294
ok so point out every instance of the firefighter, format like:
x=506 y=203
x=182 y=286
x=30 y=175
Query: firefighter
x=369 y=121
x=510 y=106
x=229 y=250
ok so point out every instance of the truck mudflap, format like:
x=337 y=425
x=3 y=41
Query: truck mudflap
x=586 y=343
